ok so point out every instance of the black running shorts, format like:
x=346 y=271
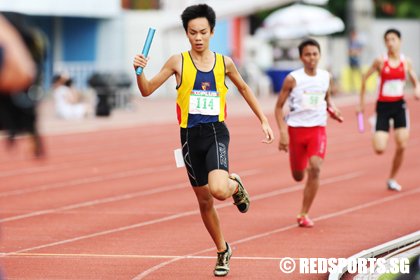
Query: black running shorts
x=205 y=148
x=391 y=110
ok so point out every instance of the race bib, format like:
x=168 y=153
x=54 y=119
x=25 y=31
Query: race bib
x=313 y=99
x=204 y=103
x=393 y=88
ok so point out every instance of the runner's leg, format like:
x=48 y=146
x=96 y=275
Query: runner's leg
x=210 y=216
x=380 y=141
x=299 y=175
x=312 y=184
x=298 y=155
x=221 y=187
x=401 y=137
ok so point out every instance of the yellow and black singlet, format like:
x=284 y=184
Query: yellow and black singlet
x=201 y=95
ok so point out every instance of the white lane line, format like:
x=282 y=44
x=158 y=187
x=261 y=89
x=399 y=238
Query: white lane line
x=170 y=188
x=133 y=256
x=302 y=186
x=133 y=172
x=91 y=180
x=352 y=209
x=78 y=164
x=168 y=218
x=115 y=198
x=98 y=201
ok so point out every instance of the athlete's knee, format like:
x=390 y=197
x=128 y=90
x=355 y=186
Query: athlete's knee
x=314 y=169
x=219 y=192
x=400 y=148
x=314 y=166
x=298 y=175
x=401 y=144
x=380 y=141
x=379 y=150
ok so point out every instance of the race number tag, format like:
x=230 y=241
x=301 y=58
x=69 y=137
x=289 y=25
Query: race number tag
x=313 y=99
x=204 y=103
x=393 y=88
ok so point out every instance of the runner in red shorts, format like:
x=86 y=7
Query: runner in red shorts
x=308 y=91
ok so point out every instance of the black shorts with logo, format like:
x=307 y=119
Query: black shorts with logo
x=391 y=110
x=205 y=148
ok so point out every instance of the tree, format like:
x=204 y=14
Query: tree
x=397 y=8
x=383 y=8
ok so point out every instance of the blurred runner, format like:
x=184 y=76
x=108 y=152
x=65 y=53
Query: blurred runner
x=18 y=106
x=17 y=69
x=391 y=67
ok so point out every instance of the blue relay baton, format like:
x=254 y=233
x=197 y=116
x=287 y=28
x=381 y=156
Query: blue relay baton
x=146 y=47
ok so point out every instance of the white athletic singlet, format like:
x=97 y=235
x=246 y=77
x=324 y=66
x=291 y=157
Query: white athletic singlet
x=308 y=107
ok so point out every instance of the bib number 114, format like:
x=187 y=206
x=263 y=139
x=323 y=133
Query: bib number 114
x=202 y=101
x=205 y=104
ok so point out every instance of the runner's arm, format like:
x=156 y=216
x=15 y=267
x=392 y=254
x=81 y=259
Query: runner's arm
x=17 y=70
x=330 y=103
x=147 y=87
x=413 y=78
x=376 y=66
x=288 y=84
x=249 y=97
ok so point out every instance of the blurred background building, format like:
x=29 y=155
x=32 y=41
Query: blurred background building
x=103 y=36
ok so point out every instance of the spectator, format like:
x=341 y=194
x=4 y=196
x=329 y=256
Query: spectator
x=355 y=52
x=67 y=100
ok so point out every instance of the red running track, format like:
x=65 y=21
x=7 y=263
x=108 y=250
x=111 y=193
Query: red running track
x=112 y=205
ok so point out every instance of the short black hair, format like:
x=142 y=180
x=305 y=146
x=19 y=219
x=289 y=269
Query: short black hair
x=392 y=30
x=69 y=82
x=198 y=11
x=308 y=42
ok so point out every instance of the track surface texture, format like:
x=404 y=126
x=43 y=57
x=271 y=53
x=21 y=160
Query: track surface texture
x=109 y=202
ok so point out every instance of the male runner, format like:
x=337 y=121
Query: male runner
x=308 y=90
x=201 y=108
x=17 y=68
x=391 y=67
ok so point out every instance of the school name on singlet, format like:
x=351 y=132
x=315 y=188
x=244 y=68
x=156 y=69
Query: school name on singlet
x=204 y=102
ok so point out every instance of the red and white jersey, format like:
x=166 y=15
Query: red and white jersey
x=391 y=81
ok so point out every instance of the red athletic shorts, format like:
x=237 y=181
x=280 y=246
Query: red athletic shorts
x=305 y=142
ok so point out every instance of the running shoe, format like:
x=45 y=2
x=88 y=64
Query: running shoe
x=222 y=264
x=304 y=221
x=241 y=197
x=393 y=185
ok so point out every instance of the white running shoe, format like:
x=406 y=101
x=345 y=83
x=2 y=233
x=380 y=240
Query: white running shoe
x=393 y=185
x=222 y=264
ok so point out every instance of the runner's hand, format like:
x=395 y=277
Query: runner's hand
x=360 y=108
x=337 y=113
x=140 y=61
x=268 y=133
x=417 y=93
x=284 y=142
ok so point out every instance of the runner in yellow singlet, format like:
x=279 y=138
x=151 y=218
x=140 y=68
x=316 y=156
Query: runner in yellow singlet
x=201 y=108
